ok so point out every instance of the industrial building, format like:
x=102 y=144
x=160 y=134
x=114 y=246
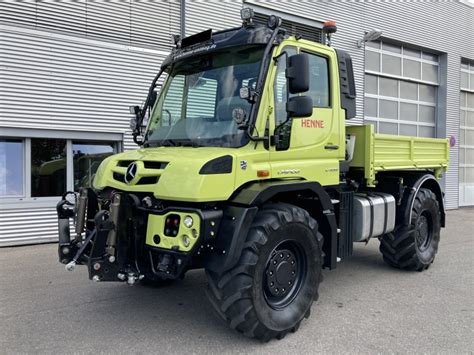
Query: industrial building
x=69 y=70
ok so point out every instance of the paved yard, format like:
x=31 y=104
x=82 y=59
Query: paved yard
x=365 y=307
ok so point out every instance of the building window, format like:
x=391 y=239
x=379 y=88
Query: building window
x=86 y=159
x=46 y=167
x=466 y=135
x=400 y=89
x=11 y=168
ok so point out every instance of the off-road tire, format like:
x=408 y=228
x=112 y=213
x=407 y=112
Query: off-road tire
x=414 y=247
x=243 y=297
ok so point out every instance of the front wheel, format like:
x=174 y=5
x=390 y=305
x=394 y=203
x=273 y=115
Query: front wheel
x=414 y=247
x=272 y=287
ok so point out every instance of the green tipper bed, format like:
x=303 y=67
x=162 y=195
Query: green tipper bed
x=375 y=152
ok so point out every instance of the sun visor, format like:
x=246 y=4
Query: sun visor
x=203 y=36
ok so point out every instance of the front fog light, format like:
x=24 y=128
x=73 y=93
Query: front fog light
x=188 y=221
x=186 y=240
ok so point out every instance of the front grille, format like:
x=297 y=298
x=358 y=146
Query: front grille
x=124 y=163
x=119 y=177
x=148 y=180
x=154 y=165
x=147 y=164
x=145 y=180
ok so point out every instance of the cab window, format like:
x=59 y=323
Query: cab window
x=201 y=98
x=279 y=86
x=319 y=80
x=173 y=103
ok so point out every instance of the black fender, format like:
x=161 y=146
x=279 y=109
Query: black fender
x=244 y=205
x=413 y=182
x=233 y=230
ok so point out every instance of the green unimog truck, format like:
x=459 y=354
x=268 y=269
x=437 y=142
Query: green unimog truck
x=246 y=168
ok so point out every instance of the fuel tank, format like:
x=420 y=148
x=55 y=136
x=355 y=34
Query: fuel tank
x=374 y=215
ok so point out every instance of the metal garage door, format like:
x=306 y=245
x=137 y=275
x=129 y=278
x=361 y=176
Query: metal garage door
x=466 y=136
x=400 y=89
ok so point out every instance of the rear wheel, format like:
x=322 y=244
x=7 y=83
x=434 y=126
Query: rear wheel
x=414 y=247
x=272 y=287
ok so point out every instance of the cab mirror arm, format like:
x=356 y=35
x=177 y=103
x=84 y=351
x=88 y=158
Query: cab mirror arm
x=257 y=139
x=140 y=112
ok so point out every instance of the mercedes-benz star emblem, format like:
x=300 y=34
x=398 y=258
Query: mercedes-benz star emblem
x=131 y=172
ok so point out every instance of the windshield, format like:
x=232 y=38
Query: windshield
x=200 y=101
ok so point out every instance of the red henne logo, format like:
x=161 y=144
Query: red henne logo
x=310 y=123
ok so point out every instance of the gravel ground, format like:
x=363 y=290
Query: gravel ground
x=365 y=307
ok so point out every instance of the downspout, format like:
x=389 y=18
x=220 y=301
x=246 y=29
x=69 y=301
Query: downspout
x=182 y=19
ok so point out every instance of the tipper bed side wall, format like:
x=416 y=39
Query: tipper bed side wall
x=381 y=152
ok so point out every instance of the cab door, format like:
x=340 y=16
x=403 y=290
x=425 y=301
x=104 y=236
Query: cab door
x=308 y=148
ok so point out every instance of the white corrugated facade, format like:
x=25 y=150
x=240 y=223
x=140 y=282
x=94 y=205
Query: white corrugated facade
x=70 y=69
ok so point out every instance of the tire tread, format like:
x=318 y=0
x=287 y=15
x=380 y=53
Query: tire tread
x=398 y=247
x=230 y=293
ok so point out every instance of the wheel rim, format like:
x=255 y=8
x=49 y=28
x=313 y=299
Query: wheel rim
x=285 y=273
x=424 y=232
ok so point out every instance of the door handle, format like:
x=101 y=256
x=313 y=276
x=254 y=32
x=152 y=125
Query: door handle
x=331 y=147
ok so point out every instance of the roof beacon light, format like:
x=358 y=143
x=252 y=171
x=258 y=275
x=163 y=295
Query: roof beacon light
x=246 y=14
x=329 y=27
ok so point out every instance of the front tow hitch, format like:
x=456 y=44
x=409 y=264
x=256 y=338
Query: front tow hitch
x=102 y=241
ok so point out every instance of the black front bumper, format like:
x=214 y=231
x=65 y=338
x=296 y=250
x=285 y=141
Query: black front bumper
x=111 y=238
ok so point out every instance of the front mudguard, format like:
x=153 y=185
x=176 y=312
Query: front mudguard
x=234 y=227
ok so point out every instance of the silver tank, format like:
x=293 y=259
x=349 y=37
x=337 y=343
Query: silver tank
x=373 y=215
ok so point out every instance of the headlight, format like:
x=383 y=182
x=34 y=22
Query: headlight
x=188 y=221
x=221 y=165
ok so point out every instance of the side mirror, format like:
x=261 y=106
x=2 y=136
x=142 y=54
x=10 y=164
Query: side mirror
x=136 y=111
x=299 y=106
x=133 y=123
x=297 y=73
